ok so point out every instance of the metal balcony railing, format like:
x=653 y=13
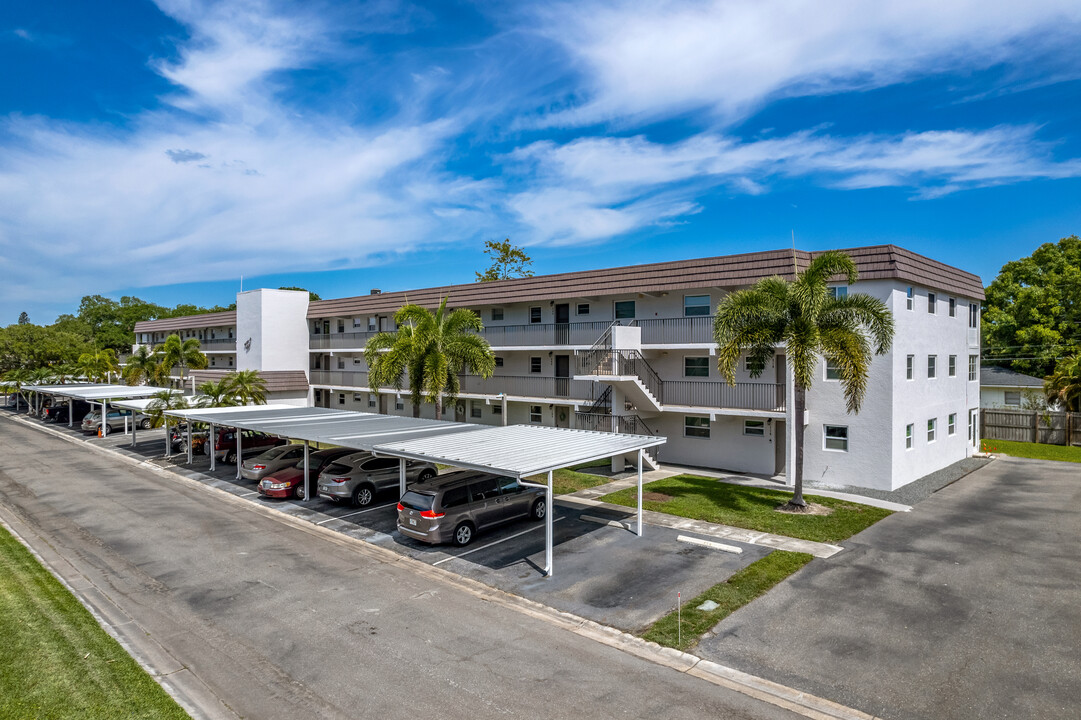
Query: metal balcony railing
x=676 y=331
x=338 y=341
x=543 y=334
x=339 y=378
x=713 y=394
x=603 y=361
x=218 y=344
x=528 y=386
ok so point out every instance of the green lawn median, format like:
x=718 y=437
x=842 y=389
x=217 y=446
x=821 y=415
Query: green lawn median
x=711 y=500
x=1034 y=451
x=55 y=660
x=567 y=481
x=682 y=629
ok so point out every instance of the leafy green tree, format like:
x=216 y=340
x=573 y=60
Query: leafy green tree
x=176 y=352
x=32 y=346
x=434 y=347
x=15 y=380
x=23 y=318
x=802 y=317
x=1033 y=309
x=144 y=365
x=1064 y=385
x=312 y=296
x=247 y=387
x=508 y=261
x=216 y=393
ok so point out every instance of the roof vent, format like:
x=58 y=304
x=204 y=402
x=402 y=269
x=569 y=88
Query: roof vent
x=376 y=291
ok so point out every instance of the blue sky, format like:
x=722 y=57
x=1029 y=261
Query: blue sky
x=165 y=149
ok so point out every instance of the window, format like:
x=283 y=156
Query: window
x=953 y=307
x=341 y=363
x=951 y=366
x=625 y=310
x=315 y=327
x=357 y=397
x=534 y=315
x=341 y=326
x=832 y=371
x=373 y=400
x=973 y=315
x=498 y=361
x=932 y=425
x=534 y=364
x=695 y=305
x=230 y=362
x=751 y=366
x=497 y=313
x=358 y=360
x=341 y=398
x=838 y=291
x=484 y=489
x=696 y=427
x=476 y=408
x=755 y=428
x=213 y=361
x=910 y=299
x=510 y=486
x=931 y=303
x=497 y=409
x=583 y=308
x=932 y=366
x=836 y=438
x=1012 y=397
x=318 y=396
x=535 y=414
x=696 y=367
x=399 y=404
x=951 y=424
x=908 y=436
x=909 y=361
x=973 y=369
x=455 y=497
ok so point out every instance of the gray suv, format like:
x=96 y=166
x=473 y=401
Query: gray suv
x=358 y=477
x=92 y=421
x=457 y=506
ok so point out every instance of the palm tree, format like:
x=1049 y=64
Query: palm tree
x=161 y=402
x=434 y=347
x=247 y=387
x=802 y=317
x=97 y=366
x=183 y=353
x=1064 y=385
x=216 y=394
x=15 y=380
x=144 y=366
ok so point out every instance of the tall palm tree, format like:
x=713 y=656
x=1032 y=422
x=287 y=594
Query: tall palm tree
x=162 y=401
x=1064 y=385
x=97 y=366
x=802 y=317
x=144 y=366
x=216 y=394
x=184 y=354
x=40 y=376
x=247 y=387
x=434 y=347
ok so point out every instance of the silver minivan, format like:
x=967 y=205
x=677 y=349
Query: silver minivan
x=358 y=477
x=457 y=506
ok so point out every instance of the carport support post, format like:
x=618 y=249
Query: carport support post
x=71 y=412
x=168 y=445
x=133 y=426
x=190 y=458
x=640 y=452
x=307 y=476
x=401 y=477
x=210 y=444
x=104 y=418
x=239 y=452
x=548 y=530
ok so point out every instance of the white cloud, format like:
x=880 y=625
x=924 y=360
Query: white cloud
x=659 y=58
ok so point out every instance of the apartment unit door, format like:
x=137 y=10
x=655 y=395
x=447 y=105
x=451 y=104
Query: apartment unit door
x=563 y=324
x=563 y=376
x=780 y=443
x=782 y=385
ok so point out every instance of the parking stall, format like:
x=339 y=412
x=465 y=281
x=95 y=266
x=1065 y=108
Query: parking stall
x=98 y=394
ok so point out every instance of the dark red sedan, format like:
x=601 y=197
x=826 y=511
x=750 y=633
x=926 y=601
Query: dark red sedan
x=290 y=481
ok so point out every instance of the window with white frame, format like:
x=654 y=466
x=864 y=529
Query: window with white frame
x=535 y=414
x=909 y=364
x=835 y=437
x=696 y=427
x=952 y=366
x=582 y=309
x=318 y=395
x=399 y=403
x=1011 y=398
x=497 y=408
x=373 y=323
x=931 y=303
x=910 y=299
x=833 y=372
x=951 y=424
x=838 y=291
x=341 y=363
x=973 y=315
x=358 y=397
x=973 y=369
x=497 y=313
x=953 y=307
x=752 y=366
x=534 y=364
x=373 y=400
x=341 y=398
x=908 y=436
x=932 y=367
x=534 y=315
x=625 y=310
x=341 y=325
x=754 y=428
x=932 y=426
x=695 y=305
x=696 y=367
x=476 y=408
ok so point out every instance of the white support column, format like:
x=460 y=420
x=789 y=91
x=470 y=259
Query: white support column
x=71 y=412
x=401 y=476
x=104 y=418
x=239 y=451
x=640 y=453
x=550 y=511
x=210 y=444
x=168 y=446
x=307 y=476
x=504 y=414
x=191 y=457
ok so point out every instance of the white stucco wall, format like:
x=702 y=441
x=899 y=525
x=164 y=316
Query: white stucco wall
x=274 y=321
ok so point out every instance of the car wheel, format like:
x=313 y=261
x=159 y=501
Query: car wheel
x=540 y=507
x=427 y=475
x=144 y=424
x=230 y=457
x=363 y=496
x=463 y=534
x=298 y=492
x=183 y=447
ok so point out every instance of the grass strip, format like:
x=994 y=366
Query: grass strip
x=744 y=586
x=1035 y=451
x=754 y=508
x=567 y=481
x=55 y=660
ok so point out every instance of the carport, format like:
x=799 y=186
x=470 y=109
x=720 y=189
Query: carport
x=522 y=451
x=98 y=394
x=39 y=390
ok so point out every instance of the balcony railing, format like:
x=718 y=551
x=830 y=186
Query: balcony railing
x=338 y=341
x=528 y=386
x=543 y=334
x=218 y=344
x=339 y=378
x=676 y=331
x=603 y=361
x=712 y=394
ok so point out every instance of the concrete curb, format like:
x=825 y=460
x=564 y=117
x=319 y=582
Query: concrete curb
x=761 y=689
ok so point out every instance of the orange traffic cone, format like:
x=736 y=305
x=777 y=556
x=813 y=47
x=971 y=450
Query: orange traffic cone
x=99 y=432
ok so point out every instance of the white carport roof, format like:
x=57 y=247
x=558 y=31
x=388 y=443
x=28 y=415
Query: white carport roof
x=97 y=393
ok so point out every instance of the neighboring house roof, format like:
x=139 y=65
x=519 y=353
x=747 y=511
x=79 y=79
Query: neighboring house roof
x=276 y=380
x=205 y=320
x=874 y=262
x=994 y=376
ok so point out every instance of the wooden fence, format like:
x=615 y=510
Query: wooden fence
x=1050 y=428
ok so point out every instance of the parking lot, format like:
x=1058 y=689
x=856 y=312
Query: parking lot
x=602 y=572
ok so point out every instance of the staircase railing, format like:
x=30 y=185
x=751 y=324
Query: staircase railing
x=603 y=404
x=622 y=424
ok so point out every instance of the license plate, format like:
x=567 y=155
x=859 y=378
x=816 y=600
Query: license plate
x=412 y=521
x=323 y=488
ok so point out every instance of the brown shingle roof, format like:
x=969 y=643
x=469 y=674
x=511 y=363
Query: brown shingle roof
x=874 y=262
x=187 y=322
x=276 y=380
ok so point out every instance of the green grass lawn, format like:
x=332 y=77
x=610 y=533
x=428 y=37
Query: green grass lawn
x=753 y=508
x=55 y=660
x=1036 y=451
x=567 y=481
x=734 y=593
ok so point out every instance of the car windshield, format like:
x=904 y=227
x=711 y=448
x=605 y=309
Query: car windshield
x=417 y=501
x=273 y=453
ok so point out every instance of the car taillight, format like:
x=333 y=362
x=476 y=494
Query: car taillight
x=342 y=479
x=400 y=507
x=258 y=467
x=431 y=514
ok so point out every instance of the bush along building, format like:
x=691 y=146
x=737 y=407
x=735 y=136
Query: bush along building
x=631 y=350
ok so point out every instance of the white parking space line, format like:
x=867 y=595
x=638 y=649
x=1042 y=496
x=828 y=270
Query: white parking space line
x=248 y=494
x=710 y=544
x=358 y=512
x=604 y=521
x=496 y=542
